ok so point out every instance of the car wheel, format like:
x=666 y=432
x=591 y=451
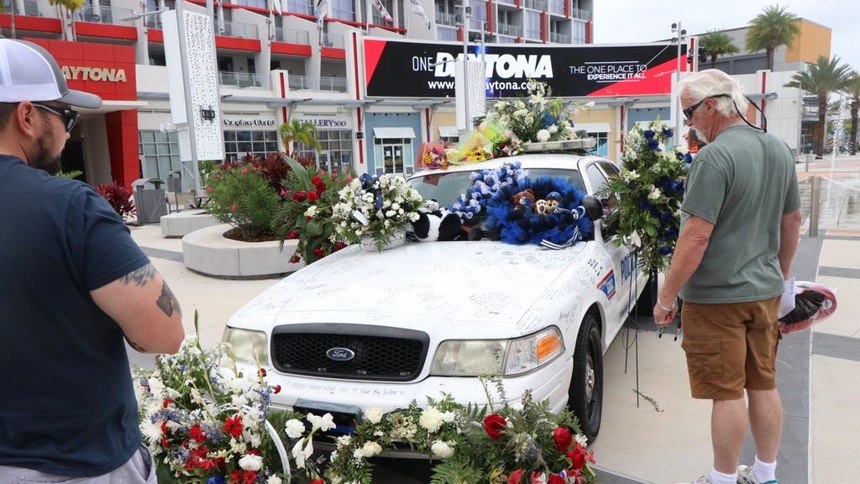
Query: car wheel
x=585 y=396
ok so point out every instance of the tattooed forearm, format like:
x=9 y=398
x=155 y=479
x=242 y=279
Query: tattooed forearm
x=140 y=349
x=167 y=301
x=140 y=276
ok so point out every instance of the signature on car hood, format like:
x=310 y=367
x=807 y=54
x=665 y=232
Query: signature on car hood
x=420 y=284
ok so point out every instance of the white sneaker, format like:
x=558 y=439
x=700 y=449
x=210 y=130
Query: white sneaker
x=746 y=476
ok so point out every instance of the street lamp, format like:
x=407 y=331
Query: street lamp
x=679 y=36
x=467 y=117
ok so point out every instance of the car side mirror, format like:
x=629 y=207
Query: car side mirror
x=593 y=207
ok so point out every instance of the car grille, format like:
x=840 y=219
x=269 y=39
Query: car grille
x=380 y=353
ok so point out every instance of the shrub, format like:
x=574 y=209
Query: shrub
x=240 y=196
x=118 y=197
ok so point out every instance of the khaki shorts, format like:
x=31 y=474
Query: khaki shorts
x=730 y=347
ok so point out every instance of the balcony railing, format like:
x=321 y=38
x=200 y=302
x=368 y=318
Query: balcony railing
x=335 y=41
x=580 y=14
x=559 y=38
x=556 y=6
x=104 y=15
x=237 y=29
x=443 y=18
x=507 y=2
x=300 y=6
x=239 y=79
x=532 y=34
x=476 y=23
x=343 y=14
x=152 y=21
x=508 y=29
x=444 y=32
x=314 y=83
x=301 y=37
x=31 y=8
x=535 y=4
x=251 y=3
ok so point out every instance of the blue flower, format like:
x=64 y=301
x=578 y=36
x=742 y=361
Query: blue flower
x=219 y=479
x=667 y=132
x=654 y=145
x=547 y=120
x=644 y=204
x=648 y=134
x=665 y=250
x=666 y=217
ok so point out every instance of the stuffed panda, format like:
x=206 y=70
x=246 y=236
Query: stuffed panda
x=436 y=223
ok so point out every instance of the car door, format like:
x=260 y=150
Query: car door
x=619 y=283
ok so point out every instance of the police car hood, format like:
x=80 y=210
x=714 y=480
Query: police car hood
x=420 y=285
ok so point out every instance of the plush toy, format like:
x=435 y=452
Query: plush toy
x=523 y=200
x=435 y=223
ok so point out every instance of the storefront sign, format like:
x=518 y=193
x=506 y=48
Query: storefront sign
x=83 y=73
x=326 y=123
x=570 y=71
x=249 y=122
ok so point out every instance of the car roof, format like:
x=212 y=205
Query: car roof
x=565 y=161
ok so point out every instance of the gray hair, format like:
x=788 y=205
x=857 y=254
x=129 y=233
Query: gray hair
x=711 y=83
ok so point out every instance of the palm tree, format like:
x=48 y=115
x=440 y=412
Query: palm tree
x=71 y=6
x=821 y=79
x=302 y=131
x=715 y=44
x=770 y=29
x=853 y=90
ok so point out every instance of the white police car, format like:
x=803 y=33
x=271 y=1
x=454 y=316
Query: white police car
x=360 y=329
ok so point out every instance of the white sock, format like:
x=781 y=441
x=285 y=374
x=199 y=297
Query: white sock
x=763 y=471
x=717 y=477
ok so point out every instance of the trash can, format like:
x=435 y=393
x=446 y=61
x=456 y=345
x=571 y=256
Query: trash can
x=151 y=203
x=174 y=182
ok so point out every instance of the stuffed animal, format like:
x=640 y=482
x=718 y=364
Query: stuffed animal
x=435 y=223
x=524 y=199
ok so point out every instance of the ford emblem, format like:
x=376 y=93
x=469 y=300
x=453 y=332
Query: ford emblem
x=340 y=354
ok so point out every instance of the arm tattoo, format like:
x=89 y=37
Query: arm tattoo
x=167 y=301
x=137 y=347
x=140 y=276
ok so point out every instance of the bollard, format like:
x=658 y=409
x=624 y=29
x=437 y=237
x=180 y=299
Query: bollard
x=814 y=206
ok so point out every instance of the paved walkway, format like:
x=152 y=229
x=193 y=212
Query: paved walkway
x=661 y=435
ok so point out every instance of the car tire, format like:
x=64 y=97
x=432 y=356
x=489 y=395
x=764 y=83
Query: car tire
x=585 y=396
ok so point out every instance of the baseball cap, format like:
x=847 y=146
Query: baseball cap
x=29 y=73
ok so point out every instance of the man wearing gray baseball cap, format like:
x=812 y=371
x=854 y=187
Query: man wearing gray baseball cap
x=75 y=286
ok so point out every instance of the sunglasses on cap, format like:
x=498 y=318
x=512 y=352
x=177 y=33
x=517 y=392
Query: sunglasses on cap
x=69 y=116
x=688 y=113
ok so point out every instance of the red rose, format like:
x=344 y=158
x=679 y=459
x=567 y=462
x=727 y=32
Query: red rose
x=562 y=437
x=196 y=433
x=313 y=196
x=292 y=234
x=494 y=424
x=317 y=481
x=235 y=477
x=233 y=425
x=249 y=477
x=577 y=456
x=338 y=245
x=166 y=403
x=516 y=476
x=316 y=180
x=319 y=252
x=262 y=372
x=555 y=479
x=300 y=196
x=277 y=389
x=295 y=259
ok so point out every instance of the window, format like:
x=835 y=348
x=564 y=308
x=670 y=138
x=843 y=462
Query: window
x=239 y=143
x=393 y=155
x=602 y=148
x=335 y=153
x=159 y=153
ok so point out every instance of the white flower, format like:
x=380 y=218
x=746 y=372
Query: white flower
x=441 y=449
x=311 y=211
x=273 y=480
x=343 y=441
x=301 y=454
x=251 y=462
x=655 y=194
x=151 y=430
x=543 y=135
x=370 y=449
x=238 y=447
x=553 y=129
x=324 y=423
x=294 y=428
x=431 y=419
x=581 y=439
x=373 y=415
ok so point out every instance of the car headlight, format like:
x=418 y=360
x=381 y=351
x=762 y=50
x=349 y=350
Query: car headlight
x=248 y=346
x=468 y=358
x=533 y=351
x=486 y=357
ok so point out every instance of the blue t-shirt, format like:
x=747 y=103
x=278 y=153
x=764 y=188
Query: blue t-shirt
x=67 y=404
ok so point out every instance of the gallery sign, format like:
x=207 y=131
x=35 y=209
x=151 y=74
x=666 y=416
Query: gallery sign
x=326 y=123
x=571 y=71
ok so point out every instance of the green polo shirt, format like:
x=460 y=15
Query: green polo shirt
x=743 y=182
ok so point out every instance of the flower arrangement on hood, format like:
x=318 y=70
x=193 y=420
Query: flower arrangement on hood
x=306 y=211
x=537 y=117
x=484 y=184
x=376 y=207
x=647 y=196
x=203 y=423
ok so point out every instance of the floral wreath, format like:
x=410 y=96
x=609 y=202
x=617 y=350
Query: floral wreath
x=547 y=211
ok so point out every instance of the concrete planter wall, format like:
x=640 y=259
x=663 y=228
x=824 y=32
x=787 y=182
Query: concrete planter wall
x=178 y=224
x=208 y=252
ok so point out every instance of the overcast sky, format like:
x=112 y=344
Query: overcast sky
x=636 y=21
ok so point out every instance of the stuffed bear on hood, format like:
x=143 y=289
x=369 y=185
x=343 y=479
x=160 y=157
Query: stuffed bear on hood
x=436 y=223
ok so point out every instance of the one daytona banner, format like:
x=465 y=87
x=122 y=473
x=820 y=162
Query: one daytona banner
x=571 y=71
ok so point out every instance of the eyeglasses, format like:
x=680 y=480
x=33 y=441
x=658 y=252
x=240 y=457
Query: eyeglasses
x=688 y=113
x=69 y=116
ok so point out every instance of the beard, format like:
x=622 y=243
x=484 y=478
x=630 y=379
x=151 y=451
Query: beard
x=44 y=160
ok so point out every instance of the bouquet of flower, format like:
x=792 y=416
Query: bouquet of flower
x=306 y=211
x=537 y=117
x=376 y=208
x=648 y=197
x=206 y=423
x=433 y=156
x=485 y=183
